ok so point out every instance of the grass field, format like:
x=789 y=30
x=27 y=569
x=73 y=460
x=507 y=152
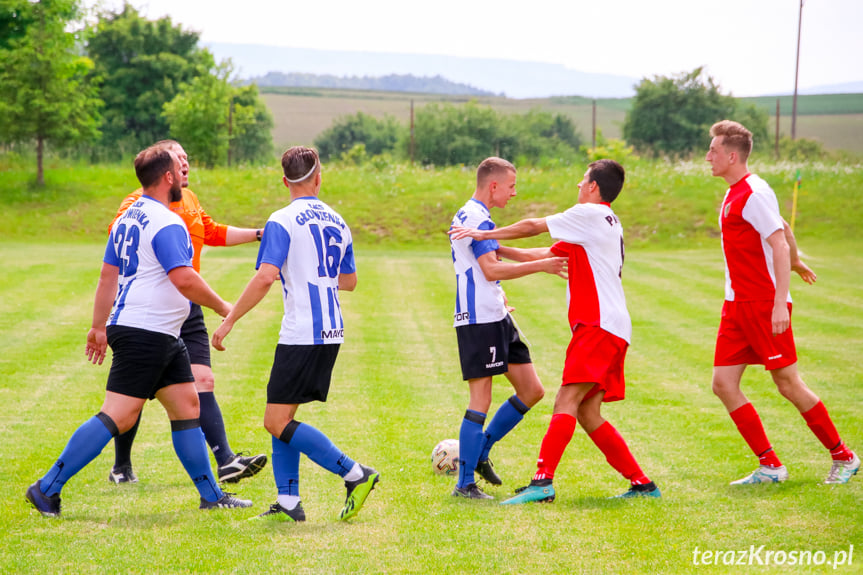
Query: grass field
x=396 y=392
x=301 y=114
x=397 y=388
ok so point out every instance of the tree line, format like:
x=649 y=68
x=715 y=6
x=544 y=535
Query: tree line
x=109 y=87
x=106 y=87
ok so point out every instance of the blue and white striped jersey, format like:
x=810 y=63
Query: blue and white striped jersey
x=311 y=244
x=477 y=299
x=145 y=243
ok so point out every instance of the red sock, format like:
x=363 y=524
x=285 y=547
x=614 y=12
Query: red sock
x=749 y=425
x=822 y=426
x=559 y=433
x=617 y=453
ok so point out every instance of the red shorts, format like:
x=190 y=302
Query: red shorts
x=746 y=337
x=596 y=356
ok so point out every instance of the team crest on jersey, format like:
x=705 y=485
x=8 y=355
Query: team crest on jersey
x=727 y=209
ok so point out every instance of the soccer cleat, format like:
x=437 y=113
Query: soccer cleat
x=122 y=474
x=47 y=506
x=843 y=471
x=227 y=501
x=539 y=490
x=241 y=467
x=278 y=513
x=646 y=490
x=764 y=474
x=486 y=471
x=358 y=491
x=470 y=491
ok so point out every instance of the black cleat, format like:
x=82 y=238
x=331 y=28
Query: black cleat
x=486 y=471
x=278 y=513
x=240 y=467
x=47 y=506
x=122 y=474
x=470 y=491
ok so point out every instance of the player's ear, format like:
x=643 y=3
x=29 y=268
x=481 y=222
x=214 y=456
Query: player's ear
x=285 y=181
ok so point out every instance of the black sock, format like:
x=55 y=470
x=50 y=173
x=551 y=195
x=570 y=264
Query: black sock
x=213 y=427
x=123 y=445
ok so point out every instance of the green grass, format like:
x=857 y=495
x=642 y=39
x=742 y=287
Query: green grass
x=396 y=392
x=397 y=205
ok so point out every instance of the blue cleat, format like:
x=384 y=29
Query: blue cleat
x=540 y=491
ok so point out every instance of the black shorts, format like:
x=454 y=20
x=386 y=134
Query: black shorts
x=194 y=335
x=487 y=349
x=145 y=361
x=301 y=373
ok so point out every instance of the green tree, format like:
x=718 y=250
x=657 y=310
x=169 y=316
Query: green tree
x=45 y=93
x=673 y=115
x=143 y=64
x=376 y=135
x=539 y=135
x=447 y=134
x=198 y=117
x=251 y=139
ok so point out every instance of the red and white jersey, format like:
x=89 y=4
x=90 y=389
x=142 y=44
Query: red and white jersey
x=749 y=215
x=591 y=236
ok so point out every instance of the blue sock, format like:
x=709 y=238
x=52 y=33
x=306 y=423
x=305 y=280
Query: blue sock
x=507 y=417
x=286 y=468
x=191 y=449
x=213 y=426
x=83 y=447
x=470 y=440
x=320 y=449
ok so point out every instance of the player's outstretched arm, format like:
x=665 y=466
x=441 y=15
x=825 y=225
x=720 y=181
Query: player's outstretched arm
x=235 y=236
x=254 y=292
x=106 y=291
x=522 y=254
x=797 y=265
x=493 y=269
x=523 y=229
x=190 y=283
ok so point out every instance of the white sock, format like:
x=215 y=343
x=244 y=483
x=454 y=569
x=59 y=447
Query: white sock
x=355 y=473
x=288 y=501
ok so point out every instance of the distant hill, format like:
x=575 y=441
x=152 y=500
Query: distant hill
x=515 y=79
x=388 y=83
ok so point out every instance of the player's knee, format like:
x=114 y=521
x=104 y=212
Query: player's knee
x=205 y=382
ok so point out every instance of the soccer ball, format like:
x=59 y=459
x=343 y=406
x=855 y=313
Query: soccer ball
x=444 y=457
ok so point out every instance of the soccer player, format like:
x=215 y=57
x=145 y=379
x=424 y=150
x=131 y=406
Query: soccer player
x=142 y=299
x=488 y=341
x=204 y=231
x=755 y=327
x=308 y=246
x=590 y=236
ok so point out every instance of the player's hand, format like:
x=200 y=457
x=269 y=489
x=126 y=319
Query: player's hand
x=781 y=319
x=557 y=266
x=461 y=232
x=804 y=271
x=220 y=334
x=97 y=345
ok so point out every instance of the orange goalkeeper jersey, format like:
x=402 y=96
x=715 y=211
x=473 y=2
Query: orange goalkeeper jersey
x=202 y=228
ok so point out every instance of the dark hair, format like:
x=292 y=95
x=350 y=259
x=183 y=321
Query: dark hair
x=491 y=166
x=152 y=163
x=609 y=176
x=734 y=136
x=300 y=161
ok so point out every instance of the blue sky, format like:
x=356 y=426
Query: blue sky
x=748 y=46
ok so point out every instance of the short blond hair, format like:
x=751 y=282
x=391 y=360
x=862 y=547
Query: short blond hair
x=492 y=166
x=734 y=136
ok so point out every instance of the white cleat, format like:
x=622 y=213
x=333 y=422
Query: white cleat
x=843 y=471
x=764 y=474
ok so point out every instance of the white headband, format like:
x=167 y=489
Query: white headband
x=301 y=178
